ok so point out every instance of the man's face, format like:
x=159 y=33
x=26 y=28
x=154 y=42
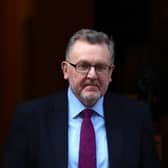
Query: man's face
x=88 y=87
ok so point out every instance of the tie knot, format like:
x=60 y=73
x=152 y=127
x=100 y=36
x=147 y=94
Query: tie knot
x=87 y=113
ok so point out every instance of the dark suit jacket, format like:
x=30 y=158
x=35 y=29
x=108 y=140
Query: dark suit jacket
x=39 y=134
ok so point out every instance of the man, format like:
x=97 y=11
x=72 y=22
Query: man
x=46 y=132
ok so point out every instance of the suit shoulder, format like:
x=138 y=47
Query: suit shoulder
x=124 y=102
x=41 y=103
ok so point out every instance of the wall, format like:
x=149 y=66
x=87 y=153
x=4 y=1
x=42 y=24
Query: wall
x=33 y=36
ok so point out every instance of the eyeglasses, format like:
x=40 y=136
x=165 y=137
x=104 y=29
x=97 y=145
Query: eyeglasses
x=84 y=67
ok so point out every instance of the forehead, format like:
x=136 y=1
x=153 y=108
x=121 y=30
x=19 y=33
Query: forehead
x=83 y=50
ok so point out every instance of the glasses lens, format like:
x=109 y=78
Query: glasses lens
x=82 y=67
x=101 y=68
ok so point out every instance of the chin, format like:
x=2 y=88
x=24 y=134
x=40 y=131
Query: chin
x=94 y=96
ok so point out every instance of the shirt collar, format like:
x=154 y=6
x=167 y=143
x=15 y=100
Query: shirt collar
x=75 y=106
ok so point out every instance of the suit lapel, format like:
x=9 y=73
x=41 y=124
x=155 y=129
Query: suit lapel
x=58 y=130
x=114 y=130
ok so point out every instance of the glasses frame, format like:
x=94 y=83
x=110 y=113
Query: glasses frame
x=108 y=67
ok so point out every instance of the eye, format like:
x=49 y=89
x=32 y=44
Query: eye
x=83 y=66
x=101 y=67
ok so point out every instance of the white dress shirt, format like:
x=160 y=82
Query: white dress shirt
x=74 y=124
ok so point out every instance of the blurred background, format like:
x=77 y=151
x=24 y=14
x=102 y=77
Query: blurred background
x=34 y=34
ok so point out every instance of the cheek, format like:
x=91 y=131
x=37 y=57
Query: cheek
x=104 y=82
x=76 y=84
x=107 y=79
x=68 y=74
x=74 y=79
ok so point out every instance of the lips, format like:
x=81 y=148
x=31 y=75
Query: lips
x=91 y=87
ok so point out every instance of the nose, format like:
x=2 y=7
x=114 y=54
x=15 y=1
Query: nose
x=92 y=73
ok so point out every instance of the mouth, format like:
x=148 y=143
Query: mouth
x=91 y=87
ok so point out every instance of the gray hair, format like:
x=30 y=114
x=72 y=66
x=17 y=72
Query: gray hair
x=93 y=37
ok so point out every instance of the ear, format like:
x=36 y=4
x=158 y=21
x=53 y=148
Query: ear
x=64 y=68
x=112 y=67
x=111 y=72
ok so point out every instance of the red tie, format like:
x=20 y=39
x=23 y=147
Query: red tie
x=87 y=149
